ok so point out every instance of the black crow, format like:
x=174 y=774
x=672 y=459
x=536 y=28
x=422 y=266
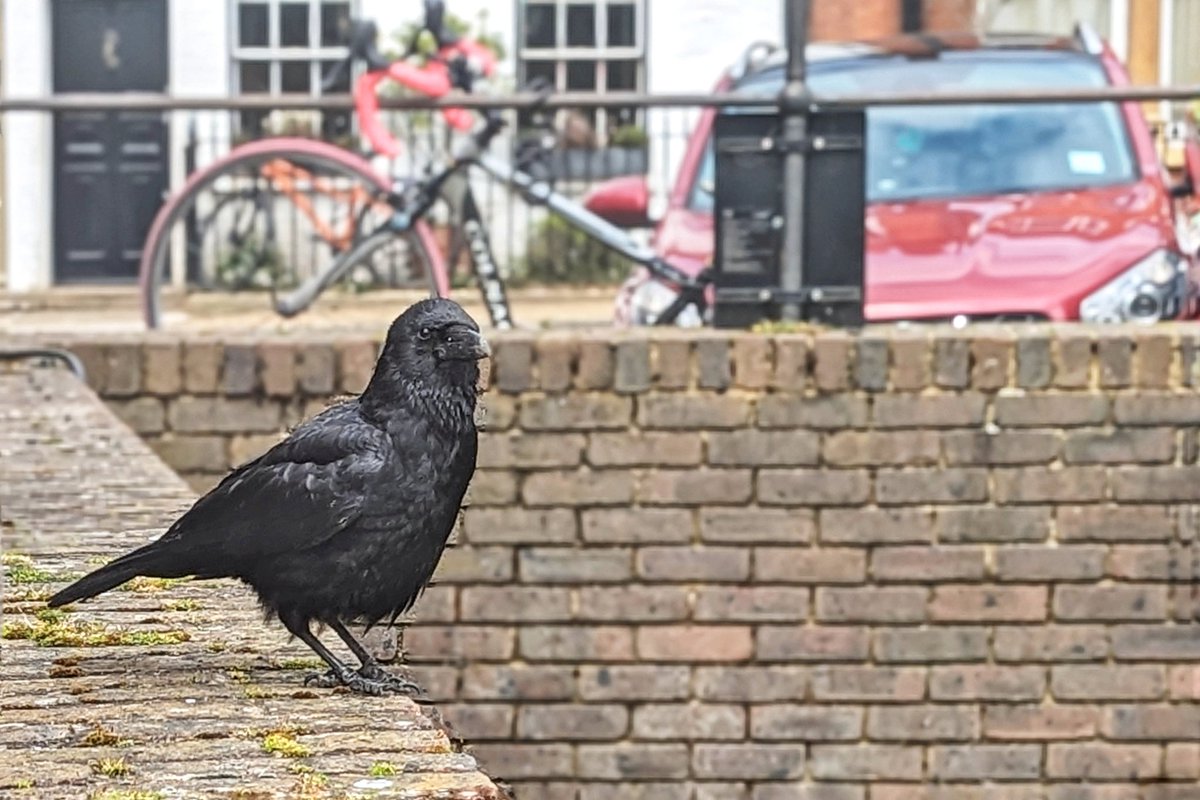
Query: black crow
x=345 y=519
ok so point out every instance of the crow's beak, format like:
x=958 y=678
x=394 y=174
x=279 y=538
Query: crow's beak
x=481 y=347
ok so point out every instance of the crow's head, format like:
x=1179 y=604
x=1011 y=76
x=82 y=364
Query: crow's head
x=432 y=348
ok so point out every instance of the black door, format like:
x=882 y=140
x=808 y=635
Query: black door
x=110 y=169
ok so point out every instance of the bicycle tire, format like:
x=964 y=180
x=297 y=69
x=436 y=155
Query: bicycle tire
x=155 y=256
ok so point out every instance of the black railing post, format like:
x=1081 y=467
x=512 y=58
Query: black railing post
x=793 y=105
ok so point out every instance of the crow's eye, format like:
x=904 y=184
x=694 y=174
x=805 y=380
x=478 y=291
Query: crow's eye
x=424 y=334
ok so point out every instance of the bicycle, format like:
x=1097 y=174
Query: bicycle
x=357 y=214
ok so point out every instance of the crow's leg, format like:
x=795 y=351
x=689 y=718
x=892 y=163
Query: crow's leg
x=339 y=673
x=370 y=669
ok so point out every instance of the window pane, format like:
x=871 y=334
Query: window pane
x=581 y=26
x=254 y=76
x=294 y=77
x=252 y=25
x=581 y=75
x=622 y=26
x=293 y=25
x=342 y=84
x=335 y=24
x=622 y=75
x=543 y=70
x=540 y=20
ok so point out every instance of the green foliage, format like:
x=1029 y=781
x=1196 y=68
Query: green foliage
x=426 y=46
x=631 y=136
x=559 y=254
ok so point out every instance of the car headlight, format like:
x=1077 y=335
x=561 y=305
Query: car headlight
x=1150 y=290
x=651 y=299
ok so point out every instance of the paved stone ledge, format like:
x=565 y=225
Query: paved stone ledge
x=165 y=691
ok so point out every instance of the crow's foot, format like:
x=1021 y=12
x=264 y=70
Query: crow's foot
x=371 y=679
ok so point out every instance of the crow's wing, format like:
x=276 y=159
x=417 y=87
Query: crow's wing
x=298 y=494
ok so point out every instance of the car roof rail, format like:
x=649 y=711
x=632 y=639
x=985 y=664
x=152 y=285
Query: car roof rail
x=752 y=58
x=1088 y=39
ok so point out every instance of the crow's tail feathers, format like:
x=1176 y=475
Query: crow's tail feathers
x=147 y=560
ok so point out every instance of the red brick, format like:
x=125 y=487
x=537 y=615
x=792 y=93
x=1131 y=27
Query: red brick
x=857 y=684
x=1114 y=603
x=1156 y=408
x=821 y=643
x=926 y=564
x=516 y=761
x=1051 y=643
x=479 y=722
x=631 y=371
x=633 y=603
x=876 y=526
x=1107 y=683
x=467 y=642
x=987 y=682
x=689 y=721
x=750 y=684
x=1156 y=484
x=833 y=356
x=692 y=411
x=750 y=604
x=583 y=411
x=747 y=761
x=872 y=448
x=316 y=368
x=630 y=761
x=1103 y=762
x=694 y=643
x=1120 y=446
x=124 y=369
x=813 y=487
x=530 y=450
x=560 y=721
x=515 y=604
x=143 y=415
x=977 y=762
x=806 y=723
x=1037 y=564
x=555 y=355
x=712 y=361
x=1155 y=642
x=1134 y=562
x=1114 y=523
x=637 y=525
x=823 y=412
x=753 y=448
x=956 y=603
x=576 y=643
x=356 y=361
x=1000 y=447
x=644 y=449
x=637 y=682
x=993 y=524
x=932 y=485
x=201 y=366
x=562 y=565
x=517 y=682
x=1184 y=683
x=923 y=723
x=671 y=363
x=865 y=762
x=475 y=565
x=958 y=410
x=695 y=487
x=693 y=564
x=871 y=604
x=1044 y=484
x=1152 y=722
x=1073 y=361
x=1040 y=722
x=810 y=565
x=910 y=357
x=991 y=362
x=577 y=488
x=1050 y=410
x=161 y=368
x=518 y=526
x=925 y=645
x=748 y=525
x=1182 y=761
x=791 y=362
x=594 y=368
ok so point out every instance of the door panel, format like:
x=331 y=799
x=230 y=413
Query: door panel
x=110 y=168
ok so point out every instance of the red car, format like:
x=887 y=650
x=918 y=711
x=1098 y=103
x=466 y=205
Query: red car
x=1049 y=211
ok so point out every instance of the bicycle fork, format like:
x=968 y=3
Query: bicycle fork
x=491 y=285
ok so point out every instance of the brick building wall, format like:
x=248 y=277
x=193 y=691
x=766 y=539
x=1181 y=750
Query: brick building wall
x=895 y=566
x=839 y=20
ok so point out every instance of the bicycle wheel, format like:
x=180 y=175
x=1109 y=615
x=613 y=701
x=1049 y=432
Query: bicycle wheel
x=273 y=214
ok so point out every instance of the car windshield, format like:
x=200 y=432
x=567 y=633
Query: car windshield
x=916 y=152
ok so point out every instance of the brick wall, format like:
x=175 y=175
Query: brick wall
x=899 y=565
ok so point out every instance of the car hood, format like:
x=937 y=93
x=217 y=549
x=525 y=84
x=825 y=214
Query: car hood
x=1021 y=254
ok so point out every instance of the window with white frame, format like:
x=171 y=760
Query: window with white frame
x=585 y=46
x=282 y=47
